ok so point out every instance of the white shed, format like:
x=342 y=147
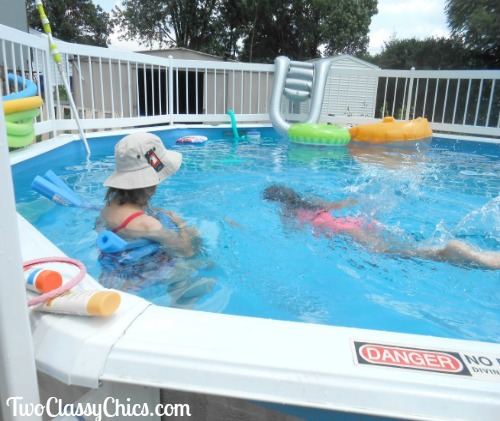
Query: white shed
x=346 y=95
x=350 y=95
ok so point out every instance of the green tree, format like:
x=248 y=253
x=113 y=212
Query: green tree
x=236 y=20
x=257 y=30
x=272 y=32
x=172 y=23
x=428 y=54
x=300 y=30
x=78 y=21
x=475 y=22
x=345 y=26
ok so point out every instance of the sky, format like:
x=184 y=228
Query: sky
x=407 y=19
x=403 y=18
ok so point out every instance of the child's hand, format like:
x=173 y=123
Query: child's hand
x=176 y=219
x=196 y=240
x=341 y=205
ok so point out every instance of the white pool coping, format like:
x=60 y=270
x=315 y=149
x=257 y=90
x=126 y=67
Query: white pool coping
x=266 y=360
x=308 y=365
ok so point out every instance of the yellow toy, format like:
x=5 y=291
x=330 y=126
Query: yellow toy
x=389 y=130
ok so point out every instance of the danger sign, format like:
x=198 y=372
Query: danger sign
x=471 y=364
x=410 y=358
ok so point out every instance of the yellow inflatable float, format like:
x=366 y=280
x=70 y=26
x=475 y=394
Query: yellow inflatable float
x=22 y=104
x=389 y=131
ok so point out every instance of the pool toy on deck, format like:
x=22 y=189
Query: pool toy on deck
x=65 y=287
x=21 y=108
x=192 y=139
x=389 y=131
x=299 y=82
x=42 y=280
x=58 y=297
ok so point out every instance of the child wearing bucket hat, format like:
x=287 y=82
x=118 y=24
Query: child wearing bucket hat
x=143 y=162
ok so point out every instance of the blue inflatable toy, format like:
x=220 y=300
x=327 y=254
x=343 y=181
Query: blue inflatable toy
x=53 y=188
x=125 y=251
x=28 y=88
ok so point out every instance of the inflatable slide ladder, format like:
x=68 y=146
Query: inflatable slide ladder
x=298 y=82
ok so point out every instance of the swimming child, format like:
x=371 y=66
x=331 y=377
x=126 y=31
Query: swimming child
x=369 y=233
x=142 y=162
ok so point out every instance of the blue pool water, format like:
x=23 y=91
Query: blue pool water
x=425 y=195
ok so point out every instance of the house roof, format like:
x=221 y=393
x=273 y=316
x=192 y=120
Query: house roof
x=184 y=52
x=348 y=61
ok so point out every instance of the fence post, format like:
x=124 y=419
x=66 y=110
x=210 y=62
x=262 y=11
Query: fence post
x=171 y=89
x=410 y=95
x=17 y=359
x=48 y=81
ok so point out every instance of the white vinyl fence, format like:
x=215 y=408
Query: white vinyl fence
x=118 y=89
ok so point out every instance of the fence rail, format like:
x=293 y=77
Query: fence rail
x=117 y=89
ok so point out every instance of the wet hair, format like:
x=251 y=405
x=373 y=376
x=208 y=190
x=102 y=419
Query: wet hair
x=135 y=196
x=286 y=196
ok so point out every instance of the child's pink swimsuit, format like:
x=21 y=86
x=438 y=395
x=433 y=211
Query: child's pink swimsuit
x=324 y=221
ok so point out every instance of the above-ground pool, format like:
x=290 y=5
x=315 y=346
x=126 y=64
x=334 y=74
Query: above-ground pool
x=260 y=265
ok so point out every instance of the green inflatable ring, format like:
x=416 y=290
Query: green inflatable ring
x=22 y=115
x=21 y=141
x=319 y=134
x=19 y=129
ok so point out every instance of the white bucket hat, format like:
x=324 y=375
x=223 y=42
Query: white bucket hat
x=142 y=161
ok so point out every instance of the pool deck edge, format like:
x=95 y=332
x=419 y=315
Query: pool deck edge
x=291 y=363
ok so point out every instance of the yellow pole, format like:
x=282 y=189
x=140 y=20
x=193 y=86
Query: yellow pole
x=48 y=30
x=57 y=58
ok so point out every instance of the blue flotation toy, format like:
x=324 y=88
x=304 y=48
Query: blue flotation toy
x=125 y=251
x=233 y=125
x=130 y=251
x=53 y=188
x=29 y=88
